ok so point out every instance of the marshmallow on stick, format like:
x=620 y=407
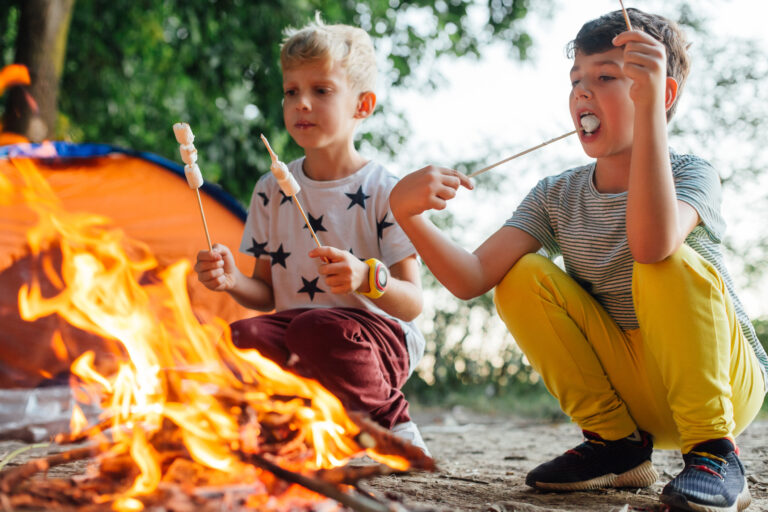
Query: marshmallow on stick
x=285 y=179
x=589 y=123
x=185 y=138
x=288 y=184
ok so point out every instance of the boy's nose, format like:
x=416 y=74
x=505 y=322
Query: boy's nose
x=303 y=104
x=581 y=90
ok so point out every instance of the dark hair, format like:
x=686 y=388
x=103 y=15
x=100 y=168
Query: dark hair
x=597 y=36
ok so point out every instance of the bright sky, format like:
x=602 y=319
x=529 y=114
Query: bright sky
x=495 y=107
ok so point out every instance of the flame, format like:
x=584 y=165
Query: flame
x=78 y=421
x=181 y=380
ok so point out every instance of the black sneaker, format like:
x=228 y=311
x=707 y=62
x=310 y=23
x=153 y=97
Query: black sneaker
x=712 y=480
x=597 y=463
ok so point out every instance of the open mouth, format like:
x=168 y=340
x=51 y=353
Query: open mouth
x=589 y=123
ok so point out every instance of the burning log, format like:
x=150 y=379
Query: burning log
x=356 y=502
x=10 y=478
x=375 y=437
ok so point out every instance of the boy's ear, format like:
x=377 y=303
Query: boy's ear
x=366 y=102
x=670 y=95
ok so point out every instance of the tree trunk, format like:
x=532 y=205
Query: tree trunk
x=41 y=46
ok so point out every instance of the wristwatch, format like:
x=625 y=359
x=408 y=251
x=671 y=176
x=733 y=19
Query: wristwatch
x=378 y=278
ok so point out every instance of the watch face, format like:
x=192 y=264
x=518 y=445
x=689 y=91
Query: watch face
x=381 y=277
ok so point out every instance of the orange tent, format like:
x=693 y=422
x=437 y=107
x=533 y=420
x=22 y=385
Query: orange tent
x=144 y=195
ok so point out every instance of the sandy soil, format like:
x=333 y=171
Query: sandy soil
x=483 y=462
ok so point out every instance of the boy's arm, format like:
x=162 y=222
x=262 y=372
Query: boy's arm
x=465 y=274
x=345 y=273
x=403 y=298
x=217 y=271
x=657 y=223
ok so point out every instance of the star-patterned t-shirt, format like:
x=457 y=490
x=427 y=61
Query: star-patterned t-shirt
x=351 y=214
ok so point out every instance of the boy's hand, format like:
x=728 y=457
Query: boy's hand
x=216 y=269
x=645 y=63
x=344 y=273
x=426 y=189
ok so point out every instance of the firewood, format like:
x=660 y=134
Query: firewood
x=351 y=475
x=11 y=477
x=350 y=499
x=374 y=436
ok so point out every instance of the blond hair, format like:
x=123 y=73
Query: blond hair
x=318 y=42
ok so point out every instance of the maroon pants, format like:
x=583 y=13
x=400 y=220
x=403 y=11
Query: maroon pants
x=359 y=356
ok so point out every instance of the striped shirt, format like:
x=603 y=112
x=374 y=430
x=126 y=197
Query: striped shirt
x=569 y=217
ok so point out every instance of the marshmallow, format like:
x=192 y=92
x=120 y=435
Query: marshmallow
x=289 y=186
x=183 y=133
x=285 y=179
x=194 y=176
x=279 y=170
x=188 y=153
x=590 y=123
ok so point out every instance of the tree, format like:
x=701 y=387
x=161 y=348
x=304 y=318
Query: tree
x=40 y=45
x=135 y=67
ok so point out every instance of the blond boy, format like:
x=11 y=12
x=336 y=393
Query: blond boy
x=344 y=311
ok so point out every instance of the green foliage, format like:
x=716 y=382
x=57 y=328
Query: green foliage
x=135 y=67
x=9 y=19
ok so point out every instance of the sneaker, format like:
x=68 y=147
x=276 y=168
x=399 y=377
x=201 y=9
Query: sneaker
x=712 y=480
x=597 y=463
x=409 y=431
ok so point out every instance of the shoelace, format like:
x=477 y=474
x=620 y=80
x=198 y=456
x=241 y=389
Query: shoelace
x=709 y=463
x=589 y=444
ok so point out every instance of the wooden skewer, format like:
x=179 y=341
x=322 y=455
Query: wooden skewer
x=202 y=216
x=550 y=141
x=269 y=148
x=306 y=220
x=298 y=204
x=626 y=16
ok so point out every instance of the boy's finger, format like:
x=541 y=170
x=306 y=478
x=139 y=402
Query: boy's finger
x=324 y=252
x=465 y=181
x=457 y=179
x=208 y=256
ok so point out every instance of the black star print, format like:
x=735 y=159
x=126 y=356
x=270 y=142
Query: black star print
x=358 y=197
x=311 y=288
x=263 y=197
x=257 y=249
x=279 y=256
x=285 y=198
x=353 y=254
x=381 y=226
x=316 y=223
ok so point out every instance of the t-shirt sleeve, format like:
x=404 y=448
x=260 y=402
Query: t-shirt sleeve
x=394 y=244
x=697 y=183
x=532 y=216
x=255 y=236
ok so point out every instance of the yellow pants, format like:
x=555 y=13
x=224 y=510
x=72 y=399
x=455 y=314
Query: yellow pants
x=686 y=375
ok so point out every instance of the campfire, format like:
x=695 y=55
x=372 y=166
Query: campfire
x=188 y=421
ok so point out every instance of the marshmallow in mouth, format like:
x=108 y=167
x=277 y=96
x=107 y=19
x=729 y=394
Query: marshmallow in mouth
x=589 y=123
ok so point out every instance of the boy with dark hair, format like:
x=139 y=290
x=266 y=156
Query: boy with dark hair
x=344 y=311
x=642 y=338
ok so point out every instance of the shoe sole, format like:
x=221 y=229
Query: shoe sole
x=643 y=475
x=680 y=502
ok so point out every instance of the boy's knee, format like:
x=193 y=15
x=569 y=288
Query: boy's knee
x=672 y=268
x=520 y=277
x=243 y=333
x=313 y=331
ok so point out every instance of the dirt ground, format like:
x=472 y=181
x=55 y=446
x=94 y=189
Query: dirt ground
x=483 y=462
